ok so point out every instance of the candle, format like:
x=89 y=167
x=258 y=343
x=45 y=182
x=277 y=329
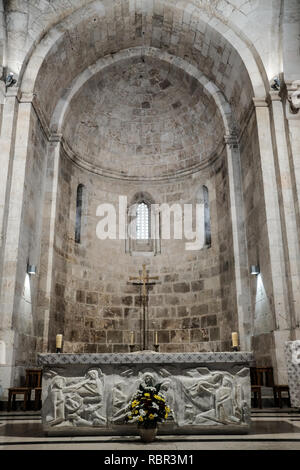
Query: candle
x=132 y=338
x=235 y=340
x=156 y=338
x=59 y=341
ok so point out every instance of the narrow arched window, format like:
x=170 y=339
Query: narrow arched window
x=143 y=226
x=142 y=221
x=79 y=208
x=207 y=228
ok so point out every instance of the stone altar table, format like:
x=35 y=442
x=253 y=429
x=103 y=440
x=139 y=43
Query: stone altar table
x=88 y=393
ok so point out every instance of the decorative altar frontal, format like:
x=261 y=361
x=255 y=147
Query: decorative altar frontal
x=89 y=393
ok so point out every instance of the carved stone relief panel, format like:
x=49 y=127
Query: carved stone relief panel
x=75 y=401
x=99 y=397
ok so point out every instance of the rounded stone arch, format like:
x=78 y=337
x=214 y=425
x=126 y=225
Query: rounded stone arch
x=80 y=81
x=140 y=196
x=236 y=38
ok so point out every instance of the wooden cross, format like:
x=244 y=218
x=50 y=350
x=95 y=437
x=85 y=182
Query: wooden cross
x=144 y=280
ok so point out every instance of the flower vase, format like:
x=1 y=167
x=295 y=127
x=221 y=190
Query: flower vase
x=147 y=434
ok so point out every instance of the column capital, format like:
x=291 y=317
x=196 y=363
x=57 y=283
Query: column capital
x=275 y=96
x=13 y=92
x=260 y=102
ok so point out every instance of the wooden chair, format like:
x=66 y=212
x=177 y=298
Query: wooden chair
x=263 y=376
x=33 y=381
x=277 y=390
x=37 y=386
x=255 y=387
x=37 y=398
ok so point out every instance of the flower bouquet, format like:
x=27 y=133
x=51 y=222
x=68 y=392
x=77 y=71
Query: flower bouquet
x=147 y=408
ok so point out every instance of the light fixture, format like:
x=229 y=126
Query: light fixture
x=254 y=270
x=31 y=269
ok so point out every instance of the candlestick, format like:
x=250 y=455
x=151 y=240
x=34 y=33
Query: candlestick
x=235 y=340
x=59 y=343
x=156 y=338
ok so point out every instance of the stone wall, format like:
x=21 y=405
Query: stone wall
x=94 y=306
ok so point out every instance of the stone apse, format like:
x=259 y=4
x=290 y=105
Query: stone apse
x=157 y=101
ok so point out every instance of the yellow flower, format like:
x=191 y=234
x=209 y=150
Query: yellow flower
x=141 y=418
x=158 y=398
x=151 y=416
x=130 y=417
x=146 y=394
x=168 y=409
x=166 y=415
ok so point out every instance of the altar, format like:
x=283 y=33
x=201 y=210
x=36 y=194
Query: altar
x=88 y=394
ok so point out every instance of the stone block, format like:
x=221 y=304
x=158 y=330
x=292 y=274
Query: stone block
x=214 y=334
x=92 y=298
x=163 y=336
x=112 y=312
x=199 y=310
x=182 y=311
x=100 y=336
x=128 y=300
x=197 y=286
x=181 y=287
x=114 y=336
x=80 y=296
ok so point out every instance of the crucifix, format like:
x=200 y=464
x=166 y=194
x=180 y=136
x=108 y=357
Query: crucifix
x=144 y=280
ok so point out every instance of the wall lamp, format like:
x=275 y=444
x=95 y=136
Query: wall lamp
x=254 y=270
x=31 y=269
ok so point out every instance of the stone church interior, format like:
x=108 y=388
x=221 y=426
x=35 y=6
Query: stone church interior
x=117 y=117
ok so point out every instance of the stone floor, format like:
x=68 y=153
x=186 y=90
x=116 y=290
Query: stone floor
x=271 y=429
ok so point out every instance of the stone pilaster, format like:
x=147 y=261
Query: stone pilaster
x=288 y=212
x=292 y=115
x=7 y=137
x=49 y=218
x=281 y=309
x=239 y=241
x=13 y=259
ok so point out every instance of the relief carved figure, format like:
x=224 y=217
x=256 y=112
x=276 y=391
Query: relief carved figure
x=77 y=401
x=124 y=391
x=167 y=389
x=214 y=398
